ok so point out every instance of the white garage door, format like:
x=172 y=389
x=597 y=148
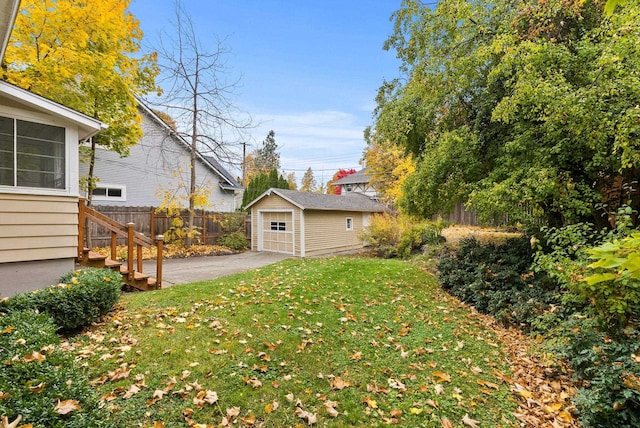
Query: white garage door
x=276 y=230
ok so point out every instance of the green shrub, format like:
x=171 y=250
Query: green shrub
x=80 y=299
x=416 y=236
x=496 y=279
x=236 y=241
x=36 y=376
x=609 y=370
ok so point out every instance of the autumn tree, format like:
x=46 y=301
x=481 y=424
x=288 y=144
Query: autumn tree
x=198 y=100
x=264 y=159
x=262 y=182
x=85 y=55
x=308 y=183
x=528 y=110
x=341 y=173
x=291 y=179
x=388 y=166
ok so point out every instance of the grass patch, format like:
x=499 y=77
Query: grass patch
x=338 y=341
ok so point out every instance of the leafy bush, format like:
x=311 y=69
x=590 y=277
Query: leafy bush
x=416 y=236
x=37 y=378
x=609 y=370
x=383 y=234
x=496 y=279
x=398 y=236
x=236 y=241
x=80 y=299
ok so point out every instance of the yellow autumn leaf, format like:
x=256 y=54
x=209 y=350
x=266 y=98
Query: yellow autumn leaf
x=553 y=408
x=370 y=402
x=415 y=411
x=441 y=376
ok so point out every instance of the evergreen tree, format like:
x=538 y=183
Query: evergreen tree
x=262 y=182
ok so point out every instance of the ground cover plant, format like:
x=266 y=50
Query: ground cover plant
x=332 y=342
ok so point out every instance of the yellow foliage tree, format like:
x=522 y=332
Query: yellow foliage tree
x=84 y=54
x=388 y=166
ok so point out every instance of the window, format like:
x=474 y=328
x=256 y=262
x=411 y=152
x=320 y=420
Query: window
x=109 y=192
x=279 y=226
x=349 y=223
x=31 y=154
x=348 y=187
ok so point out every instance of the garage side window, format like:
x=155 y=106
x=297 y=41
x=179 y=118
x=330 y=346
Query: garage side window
x=279 y=226
x=349 y=223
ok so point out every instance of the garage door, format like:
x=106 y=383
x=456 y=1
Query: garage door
x=276 y=232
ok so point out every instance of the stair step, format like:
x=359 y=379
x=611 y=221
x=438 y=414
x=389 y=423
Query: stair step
x=112 y=264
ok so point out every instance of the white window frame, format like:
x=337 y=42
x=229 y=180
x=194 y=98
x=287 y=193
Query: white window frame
x=107 y=187
x=71 y=154
x=349 y=224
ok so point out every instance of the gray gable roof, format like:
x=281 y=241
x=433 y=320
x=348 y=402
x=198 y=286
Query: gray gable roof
x=355 y=178
x=318 y=201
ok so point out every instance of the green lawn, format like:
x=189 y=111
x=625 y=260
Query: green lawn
x=335 y=342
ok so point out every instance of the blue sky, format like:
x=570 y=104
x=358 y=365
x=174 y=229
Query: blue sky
x=308 y=69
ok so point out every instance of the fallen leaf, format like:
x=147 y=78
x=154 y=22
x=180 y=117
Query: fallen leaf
x=370 y=402
x=67 y=406
x=4 y=422
x=470 y=422
x=34 y=356
x=330 y=407
x=442 y=377
x=133 y=390
x=415 y=411
x=311 y=418
x=338 y=383
x=438 y=388
x=446 y=423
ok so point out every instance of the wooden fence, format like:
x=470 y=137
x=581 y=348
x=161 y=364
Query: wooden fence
x=150 y=223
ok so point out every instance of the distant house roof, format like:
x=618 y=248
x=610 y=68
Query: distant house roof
x=8 y=13
x=355 y=178
x=232 y=182
x=318 y=201
x=228 y=183
x=87 y=126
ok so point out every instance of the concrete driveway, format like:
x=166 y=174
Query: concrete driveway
x=192 y=269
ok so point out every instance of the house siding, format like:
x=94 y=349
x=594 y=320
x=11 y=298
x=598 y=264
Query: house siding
x=37 y=227
x=325 y=232
x=275 y=203
x=38 y=240
x=157 y=162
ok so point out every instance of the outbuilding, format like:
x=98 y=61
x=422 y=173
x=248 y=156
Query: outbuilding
x=305 y=224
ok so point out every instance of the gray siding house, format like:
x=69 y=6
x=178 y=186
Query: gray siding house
x=159 y=163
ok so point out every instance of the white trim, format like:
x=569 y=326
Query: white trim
x=349 y=224
x=87 y=126
x=261 y=229
x=303 y=238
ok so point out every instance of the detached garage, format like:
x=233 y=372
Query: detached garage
x=306 y=224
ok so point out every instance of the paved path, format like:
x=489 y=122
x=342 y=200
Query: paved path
x=192 y=269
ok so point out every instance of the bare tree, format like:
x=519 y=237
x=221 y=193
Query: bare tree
x=197 y=95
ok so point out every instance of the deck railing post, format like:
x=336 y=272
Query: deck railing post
x=159 y=247
x=114 y=246
x=139 y=257
x=130 y=237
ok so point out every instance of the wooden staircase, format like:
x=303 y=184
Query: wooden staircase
x=132 y=275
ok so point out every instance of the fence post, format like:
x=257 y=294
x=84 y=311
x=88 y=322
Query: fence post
x=159 y=246
x=130 y=237
x=114 y=246
x=152 y=223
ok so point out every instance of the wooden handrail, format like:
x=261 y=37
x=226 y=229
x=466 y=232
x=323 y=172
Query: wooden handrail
x=132 y=237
